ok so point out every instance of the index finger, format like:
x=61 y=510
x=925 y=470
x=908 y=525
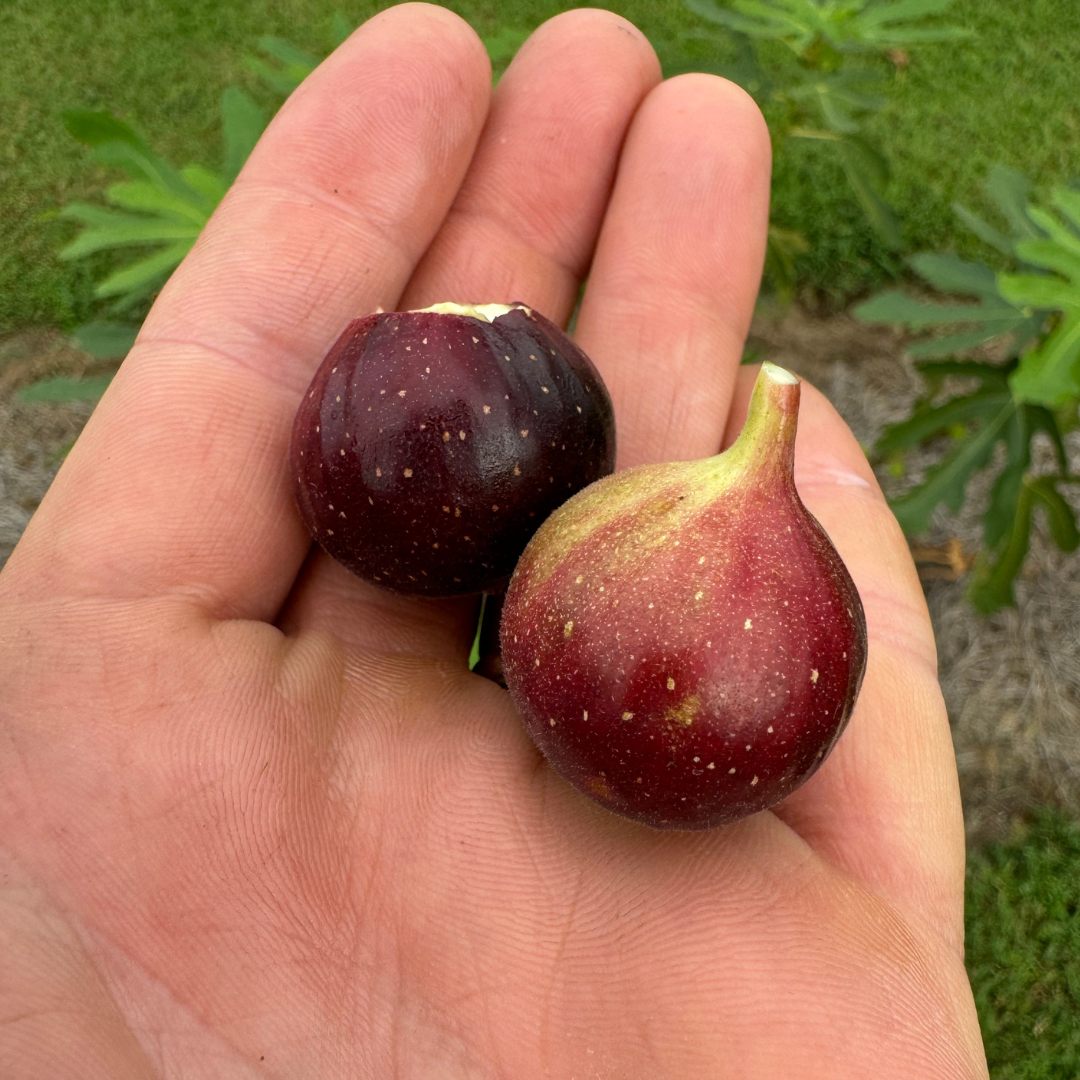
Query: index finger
x=178 y=484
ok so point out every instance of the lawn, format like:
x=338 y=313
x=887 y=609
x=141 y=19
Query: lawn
x=1006 y=95
x=162 y=67
x=1023 y=950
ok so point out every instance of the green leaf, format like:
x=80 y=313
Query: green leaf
x=1041 y=313
x=782 y=249
x=1005 y=492
x=951 y=274
x=123 y=303
x=947 y=481
x=97 y=128
x=884 y=26
x=927 y=422
x=867 y=158
x=474 y=652
x=1053 y=228
x=769 y=27
x=1001 y=513
x=1010 y=190
x=205 y=184
x=983 y=229
x=58 y=390
x=1067 y=200
x=147 y=231
x=952 y=344
x=106 y=340
x=897 y=307
x=801 y=132
x=861 y=103
x=837 y=118
x=1042 y=419
x=99 y=216
x=799 y=18
x=1059 y=514
x=861 y=171
x=883 y=14
x=147 y=272
x=1029 y=290
x=1047 y=374
x=1027 y=333
x=141 y=165
x=839 y=90
x=147 y=198
x=992 y=318
x=990 y=376
x=1050 y=255
x=992 y=582
x=242 y=123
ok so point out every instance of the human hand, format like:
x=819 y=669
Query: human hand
x=258 y=819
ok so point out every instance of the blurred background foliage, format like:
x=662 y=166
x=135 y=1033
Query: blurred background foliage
x=1007 y=94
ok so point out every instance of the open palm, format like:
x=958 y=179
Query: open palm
x=257 y=819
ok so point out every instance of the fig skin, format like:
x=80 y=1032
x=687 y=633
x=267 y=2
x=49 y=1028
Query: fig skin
x=431 y=444
x=683 y=642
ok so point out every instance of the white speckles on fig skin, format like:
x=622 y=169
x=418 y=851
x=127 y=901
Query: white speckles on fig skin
x=717 y=643
x=411 y=412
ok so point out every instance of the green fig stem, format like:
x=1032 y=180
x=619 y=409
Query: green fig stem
x=767 y=441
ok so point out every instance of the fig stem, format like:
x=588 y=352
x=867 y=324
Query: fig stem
x=489 y=654
x=767 y=440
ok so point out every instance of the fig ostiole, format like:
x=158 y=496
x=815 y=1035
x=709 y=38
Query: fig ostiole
x=431 y=444
x=682 y=640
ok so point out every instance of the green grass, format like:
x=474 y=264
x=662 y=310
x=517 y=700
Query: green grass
x=162 y=66
x=1023 y=950
x=1008 y=95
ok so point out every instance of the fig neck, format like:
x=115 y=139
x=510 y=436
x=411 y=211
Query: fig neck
x=766 y=444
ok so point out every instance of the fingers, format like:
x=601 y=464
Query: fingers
x=179 y=482
x=522 y=227
x=885 y=805
x=672 y=287
x=525 y=222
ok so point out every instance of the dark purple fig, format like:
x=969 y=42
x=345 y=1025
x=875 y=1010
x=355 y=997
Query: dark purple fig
x=432 y=444
x=682 y=640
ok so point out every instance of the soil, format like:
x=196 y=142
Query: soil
x=1011 y=680
x=33 y=438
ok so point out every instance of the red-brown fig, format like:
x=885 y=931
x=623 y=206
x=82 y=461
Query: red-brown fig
x=683 y=641
x=431 y=444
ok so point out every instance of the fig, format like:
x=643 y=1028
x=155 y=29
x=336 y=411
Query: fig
x=682 y=640
x=431 y=444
